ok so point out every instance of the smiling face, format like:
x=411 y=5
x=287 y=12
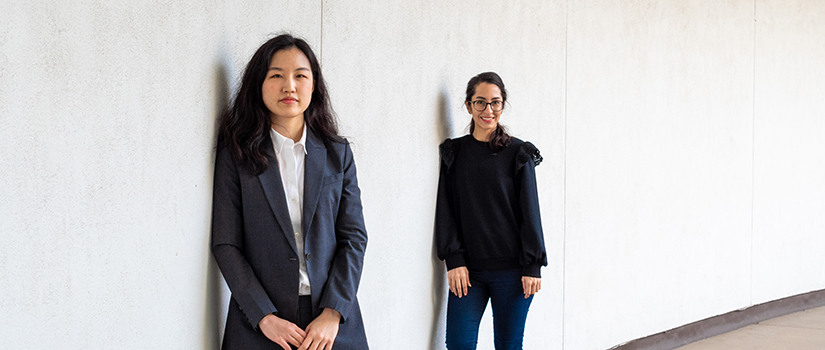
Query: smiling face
x=287 y=88
x=485 y=120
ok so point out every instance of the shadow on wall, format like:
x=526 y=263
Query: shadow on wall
x=439 y=296
x=215 y=286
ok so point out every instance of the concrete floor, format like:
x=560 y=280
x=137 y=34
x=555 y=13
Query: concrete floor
x=800 y=331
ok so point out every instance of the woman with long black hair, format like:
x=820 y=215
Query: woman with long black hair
x=287 y=226
x=488 y=227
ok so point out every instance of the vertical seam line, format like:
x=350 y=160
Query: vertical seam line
x=564 y=189
x=753 y=150
x=321 y=45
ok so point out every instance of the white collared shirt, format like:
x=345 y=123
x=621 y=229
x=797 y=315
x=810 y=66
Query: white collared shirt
x=290 y=157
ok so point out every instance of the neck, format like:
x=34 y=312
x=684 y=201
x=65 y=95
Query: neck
x=482 y=135
x=291 y=128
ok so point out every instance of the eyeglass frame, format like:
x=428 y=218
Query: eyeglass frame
x=473 y=103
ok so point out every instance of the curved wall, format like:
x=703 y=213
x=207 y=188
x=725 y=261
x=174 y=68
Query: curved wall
x=683 y=146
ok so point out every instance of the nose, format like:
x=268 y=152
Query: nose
x=289 y=85
x=488 y=106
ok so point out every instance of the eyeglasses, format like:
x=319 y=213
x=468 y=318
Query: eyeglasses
x=480 y=105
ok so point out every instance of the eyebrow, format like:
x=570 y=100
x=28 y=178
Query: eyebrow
x=484 y=99
x=299 y=69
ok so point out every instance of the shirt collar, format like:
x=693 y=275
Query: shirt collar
x=281 y=141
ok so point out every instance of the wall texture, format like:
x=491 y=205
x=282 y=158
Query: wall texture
x=659 y=166
x=683 y=145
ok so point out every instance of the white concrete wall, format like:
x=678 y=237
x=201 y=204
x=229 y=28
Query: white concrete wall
x=789 y=149
x=683 y=145
x=659 y=166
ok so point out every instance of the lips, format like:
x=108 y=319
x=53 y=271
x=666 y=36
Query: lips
x=288 y=100
x=488 y=119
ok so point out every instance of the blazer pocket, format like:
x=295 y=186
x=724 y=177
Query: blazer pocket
x=332 y=179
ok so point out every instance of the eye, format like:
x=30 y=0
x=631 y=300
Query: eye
x=496 y=104
x=479 y=103
x=276 y=75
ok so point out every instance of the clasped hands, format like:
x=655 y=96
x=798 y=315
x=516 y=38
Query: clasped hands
x=459 y=280
x=319 y=335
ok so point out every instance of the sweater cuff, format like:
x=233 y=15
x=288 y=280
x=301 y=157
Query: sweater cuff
x=531 y=271
x=455 y=261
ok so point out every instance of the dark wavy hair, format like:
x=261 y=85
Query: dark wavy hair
x=244 y=126
x=499 y=138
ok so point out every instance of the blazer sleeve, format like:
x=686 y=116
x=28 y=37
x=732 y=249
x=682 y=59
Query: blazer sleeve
x=228 y=242
x=351 y=235
x=448 y=242
x=533 y=254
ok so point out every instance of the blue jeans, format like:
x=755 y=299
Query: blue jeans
x=503 y=288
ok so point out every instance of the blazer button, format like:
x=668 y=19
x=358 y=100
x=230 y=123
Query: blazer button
x=309 y=256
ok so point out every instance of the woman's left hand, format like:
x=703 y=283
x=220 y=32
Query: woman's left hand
x=321 y=332
x=531 y=285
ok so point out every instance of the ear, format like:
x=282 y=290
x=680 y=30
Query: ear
x=469 y=109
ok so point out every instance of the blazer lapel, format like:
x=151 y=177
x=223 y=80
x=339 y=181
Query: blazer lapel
x=274 y=190
x=313 y=176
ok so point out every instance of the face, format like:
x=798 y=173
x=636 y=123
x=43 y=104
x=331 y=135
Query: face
x=486 y=120
x=287 y=89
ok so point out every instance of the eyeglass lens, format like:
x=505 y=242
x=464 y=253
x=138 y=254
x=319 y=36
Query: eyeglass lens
x=482 y=105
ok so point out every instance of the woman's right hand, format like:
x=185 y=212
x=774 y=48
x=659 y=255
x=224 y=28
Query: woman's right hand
x=459 y=280
x=281 y=331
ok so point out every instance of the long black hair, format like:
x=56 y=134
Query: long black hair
x=499 y=138
x=245 y=125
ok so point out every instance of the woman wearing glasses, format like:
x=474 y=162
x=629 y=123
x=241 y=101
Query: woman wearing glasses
x=488 y=228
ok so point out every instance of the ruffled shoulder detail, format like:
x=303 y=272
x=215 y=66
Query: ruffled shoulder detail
x=526 y=152
x=448 y=149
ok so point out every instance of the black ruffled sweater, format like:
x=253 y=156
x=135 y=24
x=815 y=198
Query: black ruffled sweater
x=487 y=211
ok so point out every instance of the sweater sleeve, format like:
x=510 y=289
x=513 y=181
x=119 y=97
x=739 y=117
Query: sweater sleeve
x=533 y=254
x=447 y=238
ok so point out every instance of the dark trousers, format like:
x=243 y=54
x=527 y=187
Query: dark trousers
x=304 y=312
x=503 y=289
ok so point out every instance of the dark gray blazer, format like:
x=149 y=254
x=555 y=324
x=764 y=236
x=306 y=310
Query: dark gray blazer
x=254 y=247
